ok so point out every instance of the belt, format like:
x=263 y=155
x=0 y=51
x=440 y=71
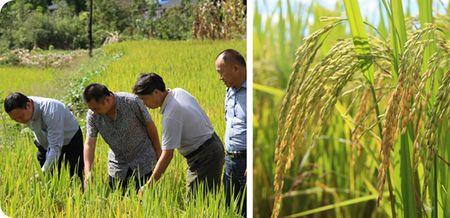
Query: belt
x=237 y=154
x=201 y=148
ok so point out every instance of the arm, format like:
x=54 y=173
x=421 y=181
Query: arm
x=171 y=140
x=89 y=146
x=153 y=133
x=88 y=154
x=52 y=156
x=54 y=118
x=144 y=116
x=158 y=171
x=161 y=166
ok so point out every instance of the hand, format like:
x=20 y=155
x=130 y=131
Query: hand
x=141 y=192
x=87 y=178
x=142 y=189
x=86 y=184
x=36 y=177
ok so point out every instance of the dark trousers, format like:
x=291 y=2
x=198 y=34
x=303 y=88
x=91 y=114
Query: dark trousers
x=205 y=166
x=71 y=154
x=234 y=179
x=123 y=183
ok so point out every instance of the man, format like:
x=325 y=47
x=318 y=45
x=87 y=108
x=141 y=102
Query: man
x=57 y=134
x=126 y=126
x=232 y=71
x=187 y=128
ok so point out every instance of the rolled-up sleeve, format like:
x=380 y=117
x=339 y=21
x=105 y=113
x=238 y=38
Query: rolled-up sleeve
x=141 y=111
x=54 y=119
x=91 y=128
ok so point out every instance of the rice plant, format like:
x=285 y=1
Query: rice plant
x=186 y=64
x=361 y=129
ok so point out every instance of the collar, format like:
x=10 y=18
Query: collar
x=117 y=102
x=117 y=108
x=166 y=101
x=35 y=112
x=117 y=105
x=243 y=86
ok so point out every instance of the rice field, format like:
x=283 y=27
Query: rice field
x=34 y=79
x=362 y=125
x=185 y=64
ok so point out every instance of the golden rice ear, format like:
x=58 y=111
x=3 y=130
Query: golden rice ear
x=439 y=109
x=310 y=88
x=400 y=103
x=316 y=85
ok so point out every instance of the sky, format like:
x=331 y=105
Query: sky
x=369 y=8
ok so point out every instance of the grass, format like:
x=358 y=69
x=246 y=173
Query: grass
x=34 y=79
x=358 y=118
x=185 y=64
x=43 y=81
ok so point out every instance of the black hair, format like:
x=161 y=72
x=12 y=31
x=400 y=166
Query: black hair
x=232 y=55
x=95 y=91
x=147 y=83
x=15 y=100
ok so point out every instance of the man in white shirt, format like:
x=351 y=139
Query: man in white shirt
x=187 y=128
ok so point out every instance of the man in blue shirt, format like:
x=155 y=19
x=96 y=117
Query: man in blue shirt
x=231 y=66
x=58 y=136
